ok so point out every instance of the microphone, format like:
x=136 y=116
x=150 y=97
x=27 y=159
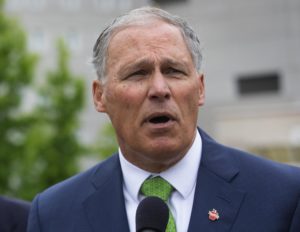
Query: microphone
x=152 y=215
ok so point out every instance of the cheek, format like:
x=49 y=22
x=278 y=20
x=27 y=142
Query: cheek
x=188 y=106
x=123 y=101
x=130 y=97
x=189 y=98
x=116 y=95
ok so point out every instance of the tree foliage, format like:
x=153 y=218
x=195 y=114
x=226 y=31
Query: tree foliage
x=40 y=148
x=16 y=73
x=52 y=145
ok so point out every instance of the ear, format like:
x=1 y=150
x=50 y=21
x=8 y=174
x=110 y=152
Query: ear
x=98 y=96
x=201 y=90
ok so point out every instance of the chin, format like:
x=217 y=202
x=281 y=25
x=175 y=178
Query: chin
x=164 y=148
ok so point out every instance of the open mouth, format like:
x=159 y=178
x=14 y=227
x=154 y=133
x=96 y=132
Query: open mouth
x=160 y=119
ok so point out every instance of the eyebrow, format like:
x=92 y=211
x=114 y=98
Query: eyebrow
x=174 y=63
x=146 y=62
x=138 y=63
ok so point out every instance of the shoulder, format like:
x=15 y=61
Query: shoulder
x=78 y=186
x=254 y=166
x=257 y=169
x=12 y=204
x=250 y=167
x=13 y=214
x=61 y=205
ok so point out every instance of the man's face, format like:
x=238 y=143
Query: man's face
x=152 y=93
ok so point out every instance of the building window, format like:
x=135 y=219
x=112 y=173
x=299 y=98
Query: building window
x=106 y=5
x=71 y=5
x=14 y=4
x=125 y=4
x=37 y=41
x=36 y=4
x=27 y=4
x=168 y=1
x=258 y=83
x=73 y=40
x=112 y=4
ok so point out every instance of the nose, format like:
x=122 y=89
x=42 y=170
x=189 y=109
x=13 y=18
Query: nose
x=159 y=88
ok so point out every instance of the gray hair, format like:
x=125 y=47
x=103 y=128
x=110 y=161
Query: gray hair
x=136 y=17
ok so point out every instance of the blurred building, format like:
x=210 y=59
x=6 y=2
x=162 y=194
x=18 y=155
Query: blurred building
x=251 y=62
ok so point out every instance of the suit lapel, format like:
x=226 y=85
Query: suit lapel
x=105 y=207
x=213 y=189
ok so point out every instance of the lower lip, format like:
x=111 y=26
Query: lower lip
x=161 y=126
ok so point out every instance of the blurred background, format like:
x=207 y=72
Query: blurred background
x=49 y=129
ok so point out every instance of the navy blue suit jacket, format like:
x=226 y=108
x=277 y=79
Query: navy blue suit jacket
x=250 y=194
x=13 y=215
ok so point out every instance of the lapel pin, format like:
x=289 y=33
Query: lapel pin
x=213 y=215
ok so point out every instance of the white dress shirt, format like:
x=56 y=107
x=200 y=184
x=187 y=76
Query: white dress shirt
x=182 y=176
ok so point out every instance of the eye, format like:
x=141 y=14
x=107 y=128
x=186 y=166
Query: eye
x=174 y=71
x=136 y=74
x=139 y=72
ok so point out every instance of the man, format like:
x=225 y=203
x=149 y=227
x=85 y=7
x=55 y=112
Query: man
x=13 y=215
x=150 y=84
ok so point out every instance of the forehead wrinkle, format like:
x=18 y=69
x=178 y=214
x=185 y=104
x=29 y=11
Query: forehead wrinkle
x=144 y=53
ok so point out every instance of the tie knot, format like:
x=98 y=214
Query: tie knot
x=157 y=187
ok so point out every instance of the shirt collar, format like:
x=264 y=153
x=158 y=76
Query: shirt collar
x=133 y=177
x=182 y=176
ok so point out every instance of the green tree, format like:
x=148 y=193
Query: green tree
x=41 y=147
x=52 y=145
x=16 y=73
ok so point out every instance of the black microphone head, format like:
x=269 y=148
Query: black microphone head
x=152 y=214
